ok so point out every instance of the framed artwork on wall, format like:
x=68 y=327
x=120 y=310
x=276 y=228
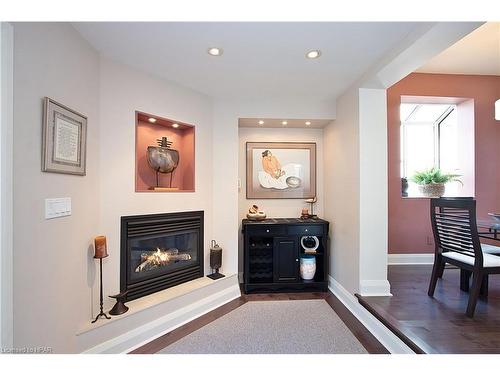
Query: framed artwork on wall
x=281 y=170
x=64 y=139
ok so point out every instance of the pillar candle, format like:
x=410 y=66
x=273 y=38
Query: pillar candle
x=101 y=250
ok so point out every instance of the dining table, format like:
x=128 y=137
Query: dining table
x=489 y=228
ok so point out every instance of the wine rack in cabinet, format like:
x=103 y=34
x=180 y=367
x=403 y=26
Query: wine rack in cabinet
x=273 y=249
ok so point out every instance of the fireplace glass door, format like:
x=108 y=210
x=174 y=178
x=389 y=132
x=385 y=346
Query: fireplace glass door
x=154 y=256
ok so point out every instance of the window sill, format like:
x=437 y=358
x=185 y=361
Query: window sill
x=415 y=197
x=422 y=197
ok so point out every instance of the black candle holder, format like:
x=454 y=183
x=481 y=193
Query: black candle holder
x=215 y=261
x=101 y=313
x=119 y=307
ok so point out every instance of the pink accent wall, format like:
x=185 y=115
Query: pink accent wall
x=409 y=223
x=183 y=141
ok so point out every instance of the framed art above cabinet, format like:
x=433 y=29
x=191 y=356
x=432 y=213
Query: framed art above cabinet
x=164 y=154
x=281 y=170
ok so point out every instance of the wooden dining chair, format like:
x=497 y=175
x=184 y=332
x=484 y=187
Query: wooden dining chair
x=457 y=242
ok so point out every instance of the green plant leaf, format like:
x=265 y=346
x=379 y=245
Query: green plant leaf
x=434 y=176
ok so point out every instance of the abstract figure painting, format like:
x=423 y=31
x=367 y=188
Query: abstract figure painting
x=281 y=170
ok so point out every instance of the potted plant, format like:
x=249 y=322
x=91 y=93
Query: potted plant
x=431 y=182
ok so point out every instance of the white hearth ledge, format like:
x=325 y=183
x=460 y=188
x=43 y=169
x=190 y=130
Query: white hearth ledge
x=154 y=315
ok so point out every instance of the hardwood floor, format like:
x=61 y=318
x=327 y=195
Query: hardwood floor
x=359 y=331
x=438 y=324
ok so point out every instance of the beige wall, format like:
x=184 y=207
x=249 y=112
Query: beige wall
x=341 y=208
x=123 y=91
x=226 y=168
x=278 y=207
x=56 y=283
x=6 y=161
x=53 y=271
x=372 y=109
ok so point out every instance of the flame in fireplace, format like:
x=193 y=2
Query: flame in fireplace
x=160 y=258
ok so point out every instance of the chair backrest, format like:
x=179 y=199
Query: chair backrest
x=455 y=228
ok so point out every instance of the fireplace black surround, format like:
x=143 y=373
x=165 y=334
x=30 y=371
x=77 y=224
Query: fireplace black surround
x=160 y=251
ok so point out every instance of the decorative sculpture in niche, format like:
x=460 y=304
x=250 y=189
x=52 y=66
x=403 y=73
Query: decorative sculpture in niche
x=164 y=155
x=163 y=159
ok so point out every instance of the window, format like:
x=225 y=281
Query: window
x=431 y=137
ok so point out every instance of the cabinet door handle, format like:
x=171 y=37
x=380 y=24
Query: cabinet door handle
x=267 y=230
x=307 y=230
x=296 y=259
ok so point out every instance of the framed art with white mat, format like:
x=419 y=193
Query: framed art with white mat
x=281 y=170
x=64 y=139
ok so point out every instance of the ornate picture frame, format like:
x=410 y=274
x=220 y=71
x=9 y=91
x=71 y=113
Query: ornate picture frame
x=64 y=139
x=281 y=170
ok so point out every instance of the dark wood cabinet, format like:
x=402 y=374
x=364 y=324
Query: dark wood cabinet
x=272 y=253
x=285 y=259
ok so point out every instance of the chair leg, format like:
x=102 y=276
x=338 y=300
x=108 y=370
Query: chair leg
x=438 y=263
x=483 y=293
x=441 y=270
x=465 y=279
x=477 y=279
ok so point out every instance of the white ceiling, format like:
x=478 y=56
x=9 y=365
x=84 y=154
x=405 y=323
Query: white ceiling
x=477 y=53
x=260 y=60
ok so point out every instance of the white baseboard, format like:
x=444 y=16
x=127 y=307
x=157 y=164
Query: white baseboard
x=154 y=329
x=399 y=259
x=375 y=288
x=391 y=342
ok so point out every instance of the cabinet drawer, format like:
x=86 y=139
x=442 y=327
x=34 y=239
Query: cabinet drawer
x=312 y=230
x=262 y=230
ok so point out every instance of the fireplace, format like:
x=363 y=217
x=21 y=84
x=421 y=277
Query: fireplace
x=160 y=251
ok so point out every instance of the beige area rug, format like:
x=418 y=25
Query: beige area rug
x=272 y=327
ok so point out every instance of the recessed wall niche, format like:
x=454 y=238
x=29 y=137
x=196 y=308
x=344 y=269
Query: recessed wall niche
x=164 y=154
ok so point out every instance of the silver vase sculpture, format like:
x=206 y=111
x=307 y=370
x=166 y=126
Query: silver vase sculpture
x=163 y=159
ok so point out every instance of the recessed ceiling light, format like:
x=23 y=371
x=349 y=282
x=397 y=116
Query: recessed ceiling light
x=152 y=120
x=308 y=123
x=175 y=125
x=214 y=51
x=284 y=122
x=314 y=54
x=261 y=122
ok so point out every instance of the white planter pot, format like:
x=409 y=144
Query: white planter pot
x=432 y=190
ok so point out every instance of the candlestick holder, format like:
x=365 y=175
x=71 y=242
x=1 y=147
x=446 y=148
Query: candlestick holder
x=119 y=307
x=215 y=261
x=100 y=253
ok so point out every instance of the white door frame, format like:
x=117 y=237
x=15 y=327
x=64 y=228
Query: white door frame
x=6 y=167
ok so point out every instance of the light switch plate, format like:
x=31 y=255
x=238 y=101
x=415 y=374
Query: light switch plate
x=57 y=207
